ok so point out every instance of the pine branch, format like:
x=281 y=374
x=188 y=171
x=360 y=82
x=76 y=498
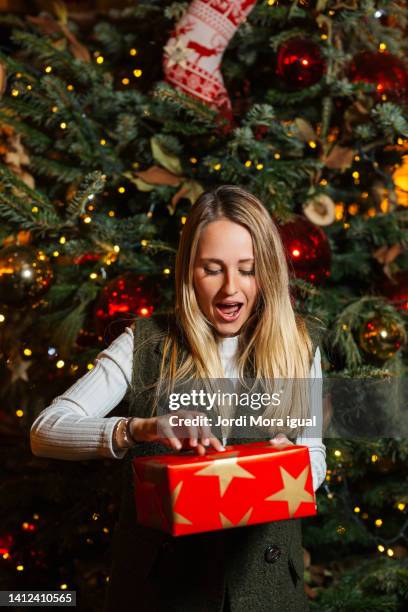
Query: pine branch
x=389 y=119
x=92 y=184
x=59 y=293
x=68 y=322
x=62 y=61
x=383 y=229
x=38 y=141
x=24 y=206
x=269 y=16
x=182 y=103
x=54 y=169
x=281 y=37
x=29 y=105
x=287 y=99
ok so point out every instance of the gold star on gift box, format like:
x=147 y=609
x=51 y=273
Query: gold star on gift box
x=293 y=490
x=162 y=511
x=178 y=518
x=225 y=522
x=226 y=469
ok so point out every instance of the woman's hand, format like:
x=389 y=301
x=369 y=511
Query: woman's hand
x=158 y=429
x=280 y=441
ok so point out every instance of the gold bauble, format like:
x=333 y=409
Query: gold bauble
x=381 y=338
x=25 y=273
x=400 y=178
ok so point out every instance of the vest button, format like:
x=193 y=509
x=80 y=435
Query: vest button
x=272 y=553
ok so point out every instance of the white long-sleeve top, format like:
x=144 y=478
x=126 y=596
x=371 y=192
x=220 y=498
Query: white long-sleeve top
x=75 y=427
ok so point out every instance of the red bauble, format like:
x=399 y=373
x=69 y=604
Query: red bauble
x=397 y=290
x=125 y=297
x=383 y=70
x=307 y=249
x=6 y=542
x=260 y=131
x=87 y=257
x=300 y=63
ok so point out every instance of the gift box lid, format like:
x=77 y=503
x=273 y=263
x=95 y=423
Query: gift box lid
x=251 y=451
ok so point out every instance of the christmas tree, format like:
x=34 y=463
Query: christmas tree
x=112 y=123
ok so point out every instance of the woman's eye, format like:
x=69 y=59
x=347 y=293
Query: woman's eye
x=244 y=272
x=211 y=271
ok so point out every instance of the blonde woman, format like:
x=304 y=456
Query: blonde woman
x=233 y=319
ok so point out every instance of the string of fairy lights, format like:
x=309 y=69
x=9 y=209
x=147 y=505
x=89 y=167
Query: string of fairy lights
x=342 y=210
x=86 y=218
x=31 y=526
x=357 y=514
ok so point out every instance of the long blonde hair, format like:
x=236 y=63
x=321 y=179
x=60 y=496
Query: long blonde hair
x=274 y=340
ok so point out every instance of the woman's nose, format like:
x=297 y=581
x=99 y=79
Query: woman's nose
x=230 y=284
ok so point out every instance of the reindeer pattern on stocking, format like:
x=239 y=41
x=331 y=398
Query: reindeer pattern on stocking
x=193 y=54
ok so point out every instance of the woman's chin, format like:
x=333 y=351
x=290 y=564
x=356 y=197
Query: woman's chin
x=227 y=329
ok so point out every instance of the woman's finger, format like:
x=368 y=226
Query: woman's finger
x=200 y=449
x=192 y=434
x=205 y=435
x=280 y=441
x=216 y=443
x=168 y=433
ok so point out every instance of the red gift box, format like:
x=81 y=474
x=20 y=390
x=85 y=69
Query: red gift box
x=246 y=484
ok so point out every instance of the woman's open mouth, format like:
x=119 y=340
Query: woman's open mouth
x=229 y=312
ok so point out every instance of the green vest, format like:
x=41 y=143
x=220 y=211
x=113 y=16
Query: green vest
x=257 y=567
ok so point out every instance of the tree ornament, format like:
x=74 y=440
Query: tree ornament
x=383 y=70
x=400 y=178
x=381 y=337
x=307 y=249
x=396 y=290
x=6 y=542
x=320 y=209
x=18 y=367
x=193 y=54
x=86 y=258
x=125 y=297
x=299 y=63
x=260 y=131
x=25 y=273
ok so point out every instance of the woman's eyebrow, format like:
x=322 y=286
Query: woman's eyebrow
x=219 y=261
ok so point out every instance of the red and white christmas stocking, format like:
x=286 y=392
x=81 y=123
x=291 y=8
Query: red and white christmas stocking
x=194 y=53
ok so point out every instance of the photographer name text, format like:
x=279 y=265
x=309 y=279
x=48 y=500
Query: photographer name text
x=241 y=421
